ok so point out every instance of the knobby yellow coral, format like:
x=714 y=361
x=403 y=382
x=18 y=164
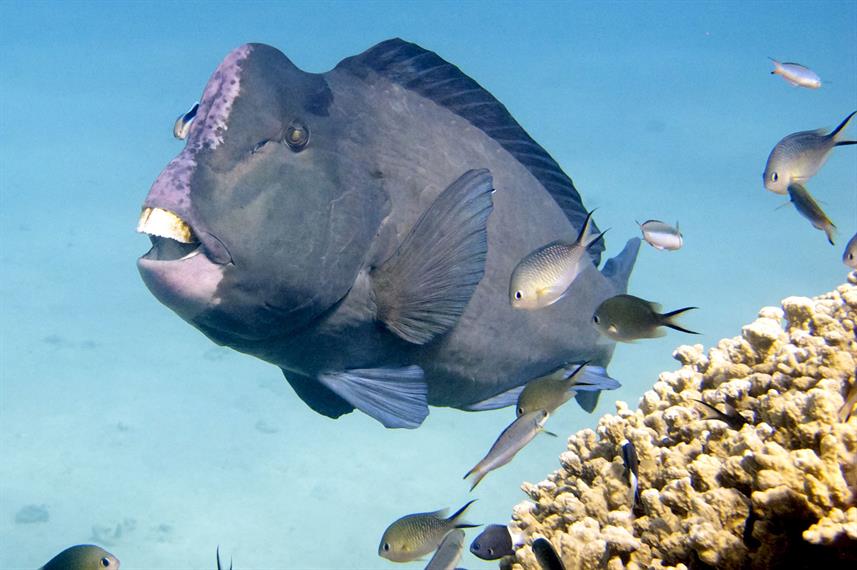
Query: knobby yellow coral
x=779 y=492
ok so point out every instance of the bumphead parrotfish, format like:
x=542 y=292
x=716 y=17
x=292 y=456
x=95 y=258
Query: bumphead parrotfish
x=358 y=228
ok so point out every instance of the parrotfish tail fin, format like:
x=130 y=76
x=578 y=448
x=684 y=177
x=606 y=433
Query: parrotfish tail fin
x=396 y=397
x=666 y=320
x=836 y=132
x=618 y=269
x=423 y=289
x=588 y=400
x=318 y=396
x=458 y=513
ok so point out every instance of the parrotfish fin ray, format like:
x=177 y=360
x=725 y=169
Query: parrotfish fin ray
x=835 y=132
x=588 y=400
x=318 y=396
x=423 y=289
x=666 y=320
x=618 y=269
x=501 y=400
x=427 y=74
x=396 y=397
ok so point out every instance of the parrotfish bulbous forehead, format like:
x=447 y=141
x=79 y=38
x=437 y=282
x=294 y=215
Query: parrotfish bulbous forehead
x=258 y=210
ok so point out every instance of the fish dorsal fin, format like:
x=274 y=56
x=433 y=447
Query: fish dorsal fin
x=429 y=75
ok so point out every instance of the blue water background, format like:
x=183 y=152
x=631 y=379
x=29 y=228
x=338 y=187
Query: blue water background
x=137 y=432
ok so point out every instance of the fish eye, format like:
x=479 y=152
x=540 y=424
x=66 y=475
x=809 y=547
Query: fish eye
x=297 y=136
x=595 y=319
x=518 y=295
x=520 y=411
x=105 y=562
x=774 y=177
x=490 y=551
x=386 y=547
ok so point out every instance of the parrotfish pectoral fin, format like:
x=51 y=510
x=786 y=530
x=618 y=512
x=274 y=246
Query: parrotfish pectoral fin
x=423 y=289
x=318 y=396
x=594 y=378
x=618 y=269
x=396 y=397
x=588 y=400
x=501 y=400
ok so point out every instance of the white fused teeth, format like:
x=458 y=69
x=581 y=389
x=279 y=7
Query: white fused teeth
x=163 y=223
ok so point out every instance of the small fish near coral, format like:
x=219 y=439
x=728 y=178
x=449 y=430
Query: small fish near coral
x=493 y=543
x=796 y=74
x=512 y=440
x=347 y=288
x=413 y=536
x=552 y=391
x=83 y=557
x=546 y=555
x=632 y=471
x=799 y=156
x=849 y=256
x=627 y=318
x=730 y=416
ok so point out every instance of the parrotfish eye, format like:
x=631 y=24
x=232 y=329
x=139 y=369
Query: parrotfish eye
x=518 y=295
x=105 y=562
x=297 y=136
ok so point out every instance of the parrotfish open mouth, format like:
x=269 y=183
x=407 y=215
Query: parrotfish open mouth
x=172 y=238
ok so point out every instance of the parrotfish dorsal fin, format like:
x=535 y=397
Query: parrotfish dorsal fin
x=429 y=75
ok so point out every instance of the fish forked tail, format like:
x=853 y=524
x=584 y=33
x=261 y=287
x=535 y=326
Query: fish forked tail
x=838 y=130
x=585 y=237
x=666 y=320
x=458 y=513
x=830 y=232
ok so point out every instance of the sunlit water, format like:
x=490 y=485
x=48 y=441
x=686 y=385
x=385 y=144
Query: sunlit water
x=124 y=426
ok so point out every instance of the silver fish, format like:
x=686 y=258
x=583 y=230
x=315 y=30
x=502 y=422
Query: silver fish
x=182 y=126
x=797 y=157
x=448 y=553
x=414 y=536
x=543 y=277
x=796 y=74
x=849 y=256
x=513 y=439
x=809 y=209
x=660 y=235
x=730 y=417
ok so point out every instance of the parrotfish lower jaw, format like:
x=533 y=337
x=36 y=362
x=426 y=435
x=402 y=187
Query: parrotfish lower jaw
x=177 y=269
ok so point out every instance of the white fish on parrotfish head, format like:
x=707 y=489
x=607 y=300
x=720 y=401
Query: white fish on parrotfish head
x=849 y=256
x=543 y=277
x=806 y=205
x=799 y=156
x=796 y=74
x=660 y=235
x=182 y=126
